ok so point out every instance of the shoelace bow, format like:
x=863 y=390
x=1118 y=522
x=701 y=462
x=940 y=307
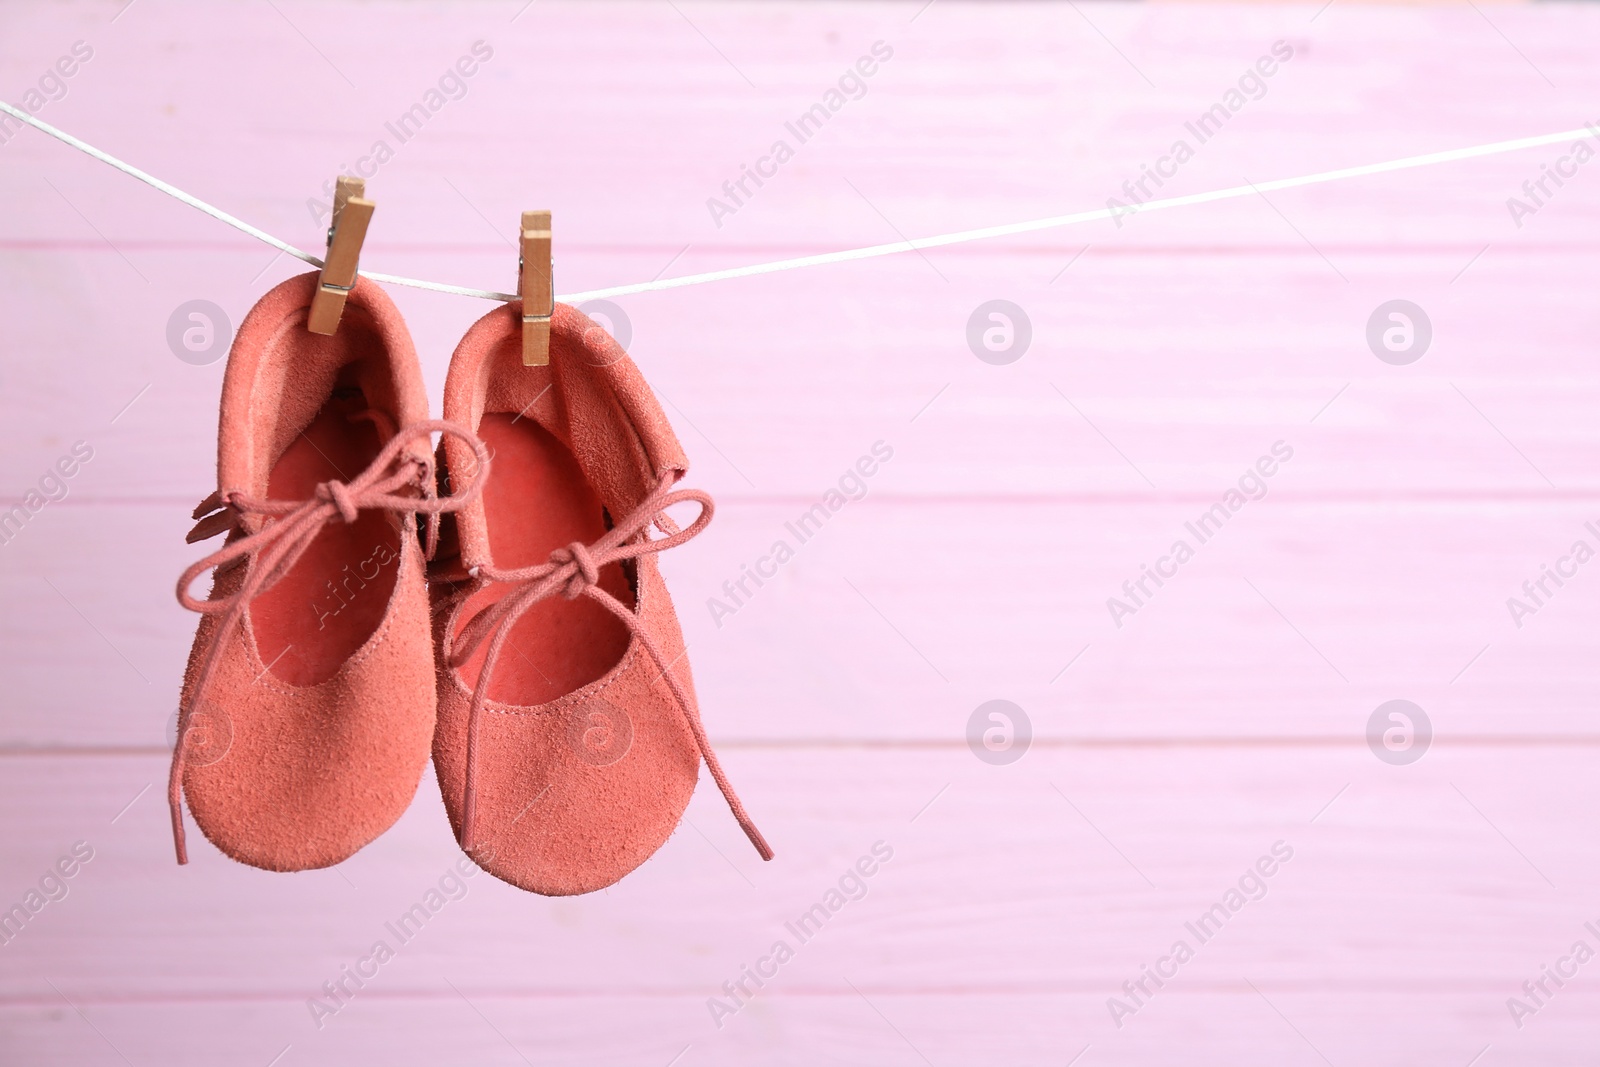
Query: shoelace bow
x=278 y=545
x=574 y=571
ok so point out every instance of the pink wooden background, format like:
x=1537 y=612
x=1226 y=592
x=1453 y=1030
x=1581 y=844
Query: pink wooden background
x=1226 y=716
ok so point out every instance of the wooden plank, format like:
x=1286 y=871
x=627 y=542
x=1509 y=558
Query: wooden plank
x=899 y=616
x=1231 y=1026
x=1051 y=880
x=1119 y=393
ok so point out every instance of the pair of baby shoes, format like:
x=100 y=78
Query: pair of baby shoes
x=494 y=602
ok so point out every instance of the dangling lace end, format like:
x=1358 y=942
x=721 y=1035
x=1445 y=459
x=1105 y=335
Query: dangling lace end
x=175 y=806
x=469 y=818
x=763 y=849
x=178 y=839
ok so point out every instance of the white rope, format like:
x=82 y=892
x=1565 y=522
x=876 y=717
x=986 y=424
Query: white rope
x=441 y=287
x=872 y=251
x=151 y=180
x=238 y=224
x=1086 y=216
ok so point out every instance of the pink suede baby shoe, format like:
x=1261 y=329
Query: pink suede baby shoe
x=308 y=705
x=569 y=741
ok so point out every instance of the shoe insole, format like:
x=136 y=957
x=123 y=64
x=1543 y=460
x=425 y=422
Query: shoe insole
x=536 y=501
x=334 y=598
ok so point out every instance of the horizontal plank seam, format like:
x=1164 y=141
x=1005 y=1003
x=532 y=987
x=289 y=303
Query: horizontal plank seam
x=955 y=745
x=1092 y=986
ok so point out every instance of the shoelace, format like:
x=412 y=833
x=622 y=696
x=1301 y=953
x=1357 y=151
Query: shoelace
x=574 y=571
x=279 y=544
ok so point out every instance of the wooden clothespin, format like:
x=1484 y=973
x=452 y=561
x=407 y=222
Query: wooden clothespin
x=351 y=215
x=537 y=288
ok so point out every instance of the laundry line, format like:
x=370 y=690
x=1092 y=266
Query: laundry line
x=871 y=251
